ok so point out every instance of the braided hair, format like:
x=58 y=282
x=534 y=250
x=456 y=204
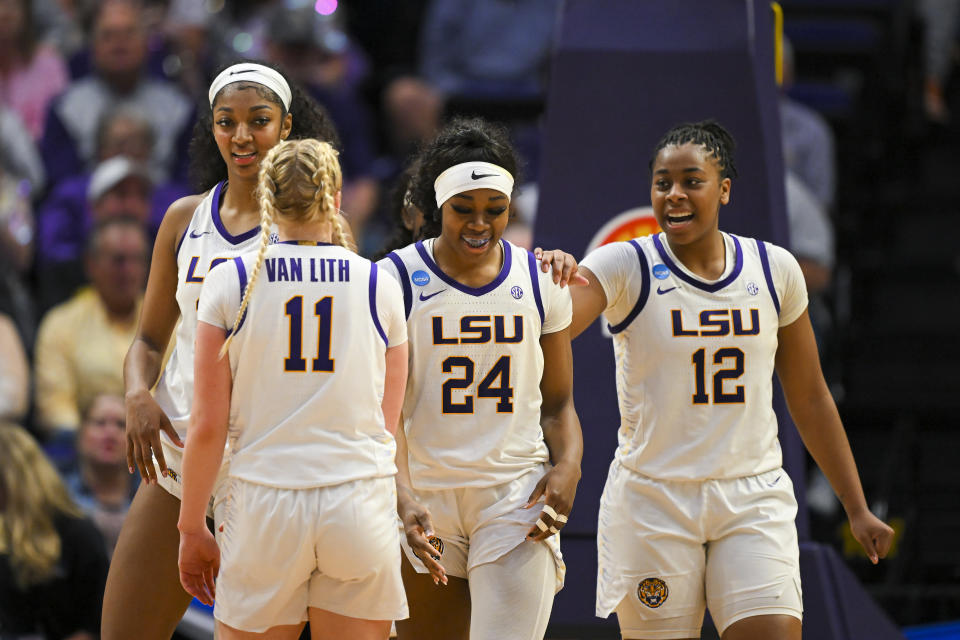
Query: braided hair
x=709 y=134
x=298 y=182
x=461 y=140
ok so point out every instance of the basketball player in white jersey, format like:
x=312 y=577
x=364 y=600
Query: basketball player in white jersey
x=489 y=428
x=697 y=510
x=252 y=109
x=317 y=363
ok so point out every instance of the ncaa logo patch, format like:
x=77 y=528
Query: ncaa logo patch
x=660 y=271
x=420 y=277
x=516 y=292
x=652 y=592
x=752 y=288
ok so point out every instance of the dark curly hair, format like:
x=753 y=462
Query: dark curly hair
x=461 y=140
x=707 y=133
x=398 y=198
x=310 y=120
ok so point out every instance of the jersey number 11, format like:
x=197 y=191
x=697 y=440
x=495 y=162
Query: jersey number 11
x=323 y=309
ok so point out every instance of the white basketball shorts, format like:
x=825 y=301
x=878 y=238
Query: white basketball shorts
x=284 y=550
x=668 y=549
x=477 y=525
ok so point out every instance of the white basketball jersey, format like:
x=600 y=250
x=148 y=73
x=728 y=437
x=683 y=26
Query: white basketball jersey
x=308 y=364
x=694 y=358
x=472 y=406
x=205 y=243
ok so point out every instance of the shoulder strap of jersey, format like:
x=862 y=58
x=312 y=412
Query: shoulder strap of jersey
x=767 y=273
x=193 y=217
x=404 y=282
x=644 y=291
x=535 y=282
x=373 y=303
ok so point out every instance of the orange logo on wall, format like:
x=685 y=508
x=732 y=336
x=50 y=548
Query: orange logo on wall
x=632 y=223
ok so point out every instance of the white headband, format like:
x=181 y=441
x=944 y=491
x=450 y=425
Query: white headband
x=472 y=175
x=252 y=72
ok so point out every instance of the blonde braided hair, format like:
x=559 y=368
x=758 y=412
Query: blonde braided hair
x=299 y=180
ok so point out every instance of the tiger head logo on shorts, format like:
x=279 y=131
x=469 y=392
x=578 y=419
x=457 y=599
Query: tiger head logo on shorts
x=436 y=543
x=652 y=592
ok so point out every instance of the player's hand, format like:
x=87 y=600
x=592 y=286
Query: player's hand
x=199 y=563
x=565 y=268
x=418 y=527
x=558 y=487
x=873 y=534
x=145 y=421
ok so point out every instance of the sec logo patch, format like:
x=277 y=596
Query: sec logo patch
x=652 y=592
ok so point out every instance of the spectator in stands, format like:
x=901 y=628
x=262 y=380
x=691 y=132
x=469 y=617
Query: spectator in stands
x=16 y=247
x=14 y=372
x=60 y=24
x=941 y=18
x=473 y=56
x=811 y=234
x=123 y=187
x=120 y=187
x=19 y=155
x=192 y=47
x=808 y=147
x=316 y=53
x=101 y=484
x=812 y=244
x=16 y=222
x=31 y=73
x=81 y=343
x=496 y=49
x=53 y=566
x=413 y=109
x=119 y=54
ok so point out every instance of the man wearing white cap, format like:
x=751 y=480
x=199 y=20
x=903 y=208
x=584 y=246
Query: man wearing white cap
x=120 y=186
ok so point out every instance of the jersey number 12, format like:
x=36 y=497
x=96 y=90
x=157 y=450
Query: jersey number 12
x=730 y=373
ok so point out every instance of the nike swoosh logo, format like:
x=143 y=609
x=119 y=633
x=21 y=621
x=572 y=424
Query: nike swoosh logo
x=770 y=484
x=663 y=291
x=477 y=176
x=194 y=234
x=424 y=298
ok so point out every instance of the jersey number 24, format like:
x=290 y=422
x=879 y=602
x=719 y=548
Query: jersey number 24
x=499 y=374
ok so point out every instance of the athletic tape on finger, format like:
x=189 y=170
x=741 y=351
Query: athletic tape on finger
x=541 y=524
x=553 y=529
x=561 y=518
x=550 y=511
